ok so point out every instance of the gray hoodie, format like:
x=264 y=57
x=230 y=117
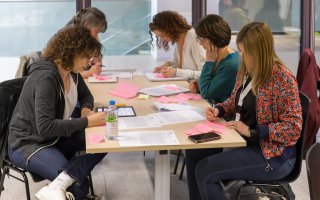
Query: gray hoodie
x=37 y=120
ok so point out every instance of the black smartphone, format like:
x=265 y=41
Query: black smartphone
x=204 y=137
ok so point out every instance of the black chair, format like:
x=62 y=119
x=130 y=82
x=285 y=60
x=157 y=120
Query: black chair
x=313 y=173
x=10 y=91
x=305 y=101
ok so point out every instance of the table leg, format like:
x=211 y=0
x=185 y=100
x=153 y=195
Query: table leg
x=162 y=175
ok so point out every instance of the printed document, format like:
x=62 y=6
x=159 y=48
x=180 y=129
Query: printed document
x=137 y=122
x=148 y=138
x=172 y=106
x=175 y=117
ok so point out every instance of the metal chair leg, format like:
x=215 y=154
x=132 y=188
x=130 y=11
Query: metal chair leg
x=91 y=185
x=5 y=170
x=177 y=162
x=182 y=169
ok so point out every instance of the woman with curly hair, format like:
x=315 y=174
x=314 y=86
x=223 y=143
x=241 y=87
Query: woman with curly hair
x=188 y=56
x=42 y=137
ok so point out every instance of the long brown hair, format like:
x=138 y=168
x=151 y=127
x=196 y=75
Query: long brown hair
x=170 y=23
x=90 y=17
x=257 y=40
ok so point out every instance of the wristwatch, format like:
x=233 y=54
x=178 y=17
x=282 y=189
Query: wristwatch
x=252 y=132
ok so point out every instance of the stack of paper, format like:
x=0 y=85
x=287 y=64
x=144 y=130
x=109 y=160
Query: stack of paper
x=164 y=89
x=206 y=127
x=175 y=117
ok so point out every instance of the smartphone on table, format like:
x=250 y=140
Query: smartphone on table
x=204 y=137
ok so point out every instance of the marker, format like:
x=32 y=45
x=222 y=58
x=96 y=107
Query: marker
x=120 y=104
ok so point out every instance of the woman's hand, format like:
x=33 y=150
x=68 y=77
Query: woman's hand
x=96 y=119
x=240 y=127
x=211 y=52
x=169 y=72
x=193 y=86
x=159 y=68
x=212 y=114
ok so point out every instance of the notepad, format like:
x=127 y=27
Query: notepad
x=160 y=77
x=164 y=89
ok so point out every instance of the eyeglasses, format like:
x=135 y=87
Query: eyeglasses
x=200 y=39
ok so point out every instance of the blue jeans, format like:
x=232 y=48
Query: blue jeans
x=50 y=161
x=205 y=171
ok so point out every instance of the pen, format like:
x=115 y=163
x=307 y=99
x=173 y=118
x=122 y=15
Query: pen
x=102 y=108
x=120 y=104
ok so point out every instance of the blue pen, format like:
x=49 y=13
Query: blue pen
x=102 y=108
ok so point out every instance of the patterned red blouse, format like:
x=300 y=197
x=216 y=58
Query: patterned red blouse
x=279 y=115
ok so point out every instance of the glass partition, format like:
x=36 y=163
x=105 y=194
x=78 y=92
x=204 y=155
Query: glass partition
x=28 y=25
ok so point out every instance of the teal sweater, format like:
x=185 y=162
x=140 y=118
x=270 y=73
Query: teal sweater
x=218 y=87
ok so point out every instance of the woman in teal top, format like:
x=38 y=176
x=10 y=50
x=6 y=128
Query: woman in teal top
x=219 y=72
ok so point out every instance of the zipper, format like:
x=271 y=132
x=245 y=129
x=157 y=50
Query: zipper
x=268 y=167
x=40 y=149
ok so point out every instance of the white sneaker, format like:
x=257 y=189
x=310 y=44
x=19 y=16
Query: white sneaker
x=49 y=193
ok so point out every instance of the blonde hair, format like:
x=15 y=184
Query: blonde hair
x=257 y=40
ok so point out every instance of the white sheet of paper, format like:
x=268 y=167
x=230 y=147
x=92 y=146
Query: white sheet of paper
x=172 y=106
x=163 y=90
x=118 y=74
x=137 y=122
x=175 y=117
x=148 y=138
x=153 y=77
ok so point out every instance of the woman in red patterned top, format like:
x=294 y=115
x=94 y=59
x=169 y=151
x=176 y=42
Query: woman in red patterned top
x=266 y=112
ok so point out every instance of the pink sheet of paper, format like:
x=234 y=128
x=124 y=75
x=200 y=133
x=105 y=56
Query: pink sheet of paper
x=220 y=128
x=96 y=138
x=102 y=78
x=164 y=99
x=183 y=96
x=170 y=87
x=176 y=100
x=194 y=96
x=192 y=132
x=125 y=90
x=202 y=127
x=159 y=75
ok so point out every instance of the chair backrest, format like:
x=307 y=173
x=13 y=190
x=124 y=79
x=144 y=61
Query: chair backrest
x=294 y=174
x=313 y=172
x=25 y=61
x=9 y=92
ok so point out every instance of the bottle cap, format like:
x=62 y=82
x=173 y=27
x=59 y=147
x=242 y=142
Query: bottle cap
x=112 y=102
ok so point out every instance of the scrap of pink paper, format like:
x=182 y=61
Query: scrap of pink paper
x=96 y=138
x=125 y=90
x=159 y=75
x=170 y=87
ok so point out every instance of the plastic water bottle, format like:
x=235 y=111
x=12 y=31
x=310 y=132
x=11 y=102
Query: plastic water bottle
x=111 y=121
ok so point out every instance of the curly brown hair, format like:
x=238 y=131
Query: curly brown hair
x=170 y=23
x=70 y=42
